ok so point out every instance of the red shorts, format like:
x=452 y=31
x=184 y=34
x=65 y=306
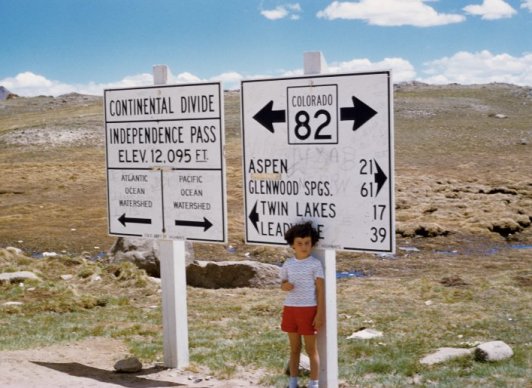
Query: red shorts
x=299 y=320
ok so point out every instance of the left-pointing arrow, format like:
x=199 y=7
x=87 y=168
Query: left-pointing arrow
x=205 y=224
x=267 y=116
x=254 y=216
x=123 y=220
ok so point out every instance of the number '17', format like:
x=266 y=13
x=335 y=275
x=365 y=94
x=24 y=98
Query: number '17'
x=378 y=212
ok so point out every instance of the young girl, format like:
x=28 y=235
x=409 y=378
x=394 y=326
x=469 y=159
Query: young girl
x=303 y=311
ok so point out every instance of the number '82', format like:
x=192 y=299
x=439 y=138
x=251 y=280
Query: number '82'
x=312 y=128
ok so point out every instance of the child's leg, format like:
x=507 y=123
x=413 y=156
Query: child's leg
x=311 y=346
x=295 y=352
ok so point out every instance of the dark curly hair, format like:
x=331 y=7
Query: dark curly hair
x=302 y=230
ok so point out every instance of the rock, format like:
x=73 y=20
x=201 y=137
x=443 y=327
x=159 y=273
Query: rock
x=304 y=366
x=365 y=334
x=453 y=281
x=408 y=229
x=12 y=304
x=498 y=115
x=67 y=277
x=144 y=253
x=95 y=278
x=15 y=251
x=409 y=249
x=14 y=277
x=128 y=365
x=445 y=354
x=493 y=351
x=232 y=274
x=505 y=227
x=154 y=280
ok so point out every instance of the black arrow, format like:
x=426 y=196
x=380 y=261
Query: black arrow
x=123 y=219
x=254 y=216
x=380 y=177
x=206 y=224
x=359 y=113
x=267 y=116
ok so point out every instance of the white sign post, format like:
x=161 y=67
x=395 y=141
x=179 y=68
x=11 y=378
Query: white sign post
x=166 y=180
x=320 y=148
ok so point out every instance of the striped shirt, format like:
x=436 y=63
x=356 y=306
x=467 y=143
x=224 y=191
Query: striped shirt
x=302 y=274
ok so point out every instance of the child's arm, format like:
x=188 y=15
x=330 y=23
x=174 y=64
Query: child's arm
x=286 y=285
x=319 y=319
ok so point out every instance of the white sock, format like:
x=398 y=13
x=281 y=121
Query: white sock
x=293 y=382
x=313 y=383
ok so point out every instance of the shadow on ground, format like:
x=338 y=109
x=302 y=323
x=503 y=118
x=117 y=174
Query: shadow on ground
x=127 y=380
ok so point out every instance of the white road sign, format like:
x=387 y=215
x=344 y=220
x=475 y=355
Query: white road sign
x=165 y=164
x=320 y=148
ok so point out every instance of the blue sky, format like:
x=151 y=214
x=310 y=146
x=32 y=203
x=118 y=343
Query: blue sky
x=54 y=47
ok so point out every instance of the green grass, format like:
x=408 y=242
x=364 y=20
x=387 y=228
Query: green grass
x=238 y=329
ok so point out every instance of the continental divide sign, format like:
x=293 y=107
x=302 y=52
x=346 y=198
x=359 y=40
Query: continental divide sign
x=165 y=164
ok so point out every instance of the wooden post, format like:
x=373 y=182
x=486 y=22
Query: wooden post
x=172 y=254
x=314 y=63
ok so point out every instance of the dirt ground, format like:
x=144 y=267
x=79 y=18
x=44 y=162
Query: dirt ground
x=89 y=363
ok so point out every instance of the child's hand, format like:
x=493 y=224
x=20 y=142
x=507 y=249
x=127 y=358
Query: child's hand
x=287 y=286
x=318 y=321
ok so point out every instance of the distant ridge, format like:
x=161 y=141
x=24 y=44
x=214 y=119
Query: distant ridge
x=6 y=94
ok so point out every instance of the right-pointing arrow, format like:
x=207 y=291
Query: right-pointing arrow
x=380 y=177
x=205 y=224
x=359 y=113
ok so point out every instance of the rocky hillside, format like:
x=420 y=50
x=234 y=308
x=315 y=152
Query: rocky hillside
x=463 y=176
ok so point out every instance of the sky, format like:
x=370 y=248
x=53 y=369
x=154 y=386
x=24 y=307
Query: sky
x=54 y=47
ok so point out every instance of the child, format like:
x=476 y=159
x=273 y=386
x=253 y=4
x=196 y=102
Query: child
x=303 y=311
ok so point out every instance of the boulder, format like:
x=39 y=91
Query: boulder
x=445 y=354
x=15 y=251
x=493 y=351
x=128 y=365
x=15 y=277
x=365 y=333
x=232 y=274
x=144 y=253
x=304 y=366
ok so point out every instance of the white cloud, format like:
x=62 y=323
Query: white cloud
x=182 y=78
x=231 y=80
x=389 y=13
x=527 y=4
x=491 y=10
x=463 y=67
x=291 y=10
x=30 y=84
x=402 y=70
x=479 y=68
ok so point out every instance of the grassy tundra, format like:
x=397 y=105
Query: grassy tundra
x=462 y=273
